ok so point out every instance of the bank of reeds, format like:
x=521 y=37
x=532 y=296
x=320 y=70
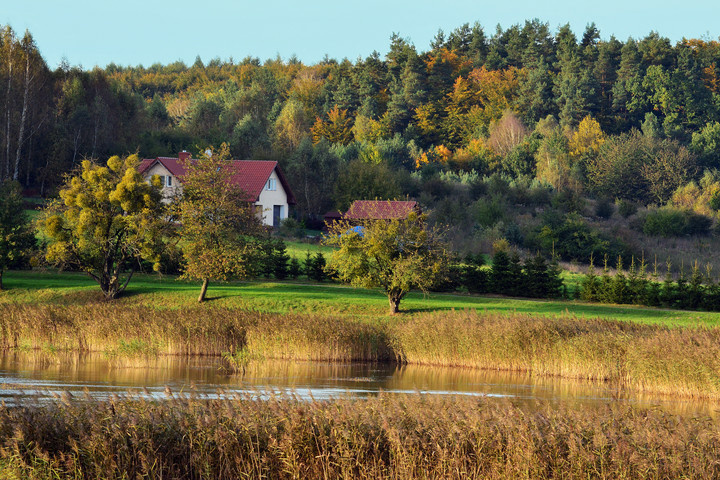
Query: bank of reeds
x=136 y=330
x=382 y=437
x=648 y=358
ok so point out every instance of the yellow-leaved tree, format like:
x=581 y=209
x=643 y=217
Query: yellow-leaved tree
x=336 y=129
x=107 y=219
x=219 y=228
x=587 y=139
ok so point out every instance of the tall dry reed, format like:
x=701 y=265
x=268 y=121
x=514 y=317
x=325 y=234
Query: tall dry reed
x=384 y=437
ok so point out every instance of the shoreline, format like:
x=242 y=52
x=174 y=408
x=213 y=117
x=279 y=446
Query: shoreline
x=681 y=362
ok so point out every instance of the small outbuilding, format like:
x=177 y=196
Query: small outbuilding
x=380 y=209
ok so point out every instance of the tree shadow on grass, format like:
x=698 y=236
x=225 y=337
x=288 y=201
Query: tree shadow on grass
x=426 y=309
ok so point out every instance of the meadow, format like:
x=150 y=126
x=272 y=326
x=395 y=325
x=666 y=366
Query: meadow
x=166 y=292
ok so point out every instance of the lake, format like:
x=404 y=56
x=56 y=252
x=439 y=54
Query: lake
x=41 y=376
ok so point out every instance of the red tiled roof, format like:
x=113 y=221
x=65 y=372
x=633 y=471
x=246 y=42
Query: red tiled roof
x=379 y=209
x=250 y=175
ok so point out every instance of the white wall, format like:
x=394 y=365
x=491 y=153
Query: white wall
x=269 y=198
x=169 y=193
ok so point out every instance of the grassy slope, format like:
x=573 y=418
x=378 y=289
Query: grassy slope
x=267 y=296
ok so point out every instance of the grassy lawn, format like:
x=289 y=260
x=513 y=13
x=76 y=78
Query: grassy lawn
x=298 y=249
x=297 y=297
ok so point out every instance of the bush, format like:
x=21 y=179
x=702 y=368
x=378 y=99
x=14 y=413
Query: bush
x=573 y=239
x=670 y=222
x=626 y=208
x=292 y=228
x=488 y=212
x=604 y=208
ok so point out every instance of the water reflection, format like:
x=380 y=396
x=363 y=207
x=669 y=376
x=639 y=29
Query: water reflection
x=43 y=374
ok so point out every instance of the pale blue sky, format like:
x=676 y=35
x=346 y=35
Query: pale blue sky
x=132 y=32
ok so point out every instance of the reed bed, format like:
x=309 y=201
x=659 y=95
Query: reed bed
x=389 y=436
x=642 y=358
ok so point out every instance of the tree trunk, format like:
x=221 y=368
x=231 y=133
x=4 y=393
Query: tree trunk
x=394 y=304
x=6 y=174
x=21 y=134
x=203 y=289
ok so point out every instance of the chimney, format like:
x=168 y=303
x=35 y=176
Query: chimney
x=184 y=155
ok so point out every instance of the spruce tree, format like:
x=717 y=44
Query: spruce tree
x=667 y=291
x=500 y=273
x=695 y=288
x=619 y=286
x=590 y=284
x=516 y=278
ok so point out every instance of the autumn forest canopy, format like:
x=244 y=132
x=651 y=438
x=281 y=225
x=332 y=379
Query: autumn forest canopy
x=635 y=120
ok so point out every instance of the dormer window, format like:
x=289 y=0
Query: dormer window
x=271 y=184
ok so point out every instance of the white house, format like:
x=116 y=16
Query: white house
x=262 y=180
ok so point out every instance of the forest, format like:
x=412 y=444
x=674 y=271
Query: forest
x=547 y=140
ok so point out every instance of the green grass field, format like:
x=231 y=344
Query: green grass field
x=299 y=249
x=296 y=297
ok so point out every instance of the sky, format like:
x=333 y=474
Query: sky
x=92 y=33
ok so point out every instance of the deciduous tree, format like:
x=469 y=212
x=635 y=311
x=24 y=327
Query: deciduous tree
x=107 y=220
x=396 y=255
x=219 y=227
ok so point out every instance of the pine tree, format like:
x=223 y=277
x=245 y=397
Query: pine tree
x=653 y=288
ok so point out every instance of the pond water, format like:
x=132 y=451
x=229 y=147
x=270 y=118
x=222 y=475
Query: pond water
x=33 y=376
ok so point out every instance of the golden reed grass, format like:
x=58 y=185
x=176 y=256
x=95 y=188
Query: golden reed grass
x=647 y=358
x=390 y=436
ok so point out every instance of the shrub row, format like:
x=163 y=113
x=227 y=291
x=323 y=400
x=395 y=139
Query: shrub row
x=635 y=286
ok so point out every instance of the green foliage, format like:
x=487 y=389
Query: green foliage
x=360 y=180
x=626 y=208
x=396 y=255
x=640 y=168
x=571 y=238
x=294 y=269
x=16 y=234
x=315 y=267
x=604 y=208
x=106 y=220
x=671 y=222
x=290 y=227
x=272 y=258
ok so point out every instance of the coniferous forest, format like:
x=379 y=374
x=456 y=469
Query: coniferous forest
x=548 y=140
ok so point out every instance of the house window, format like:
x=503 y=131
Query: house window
x=271 y=184
x=166 y=180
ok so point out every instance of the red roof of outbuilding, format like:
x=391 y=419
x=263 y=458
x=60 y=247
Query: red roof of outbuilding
x=380 y=209
x=250 y=175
